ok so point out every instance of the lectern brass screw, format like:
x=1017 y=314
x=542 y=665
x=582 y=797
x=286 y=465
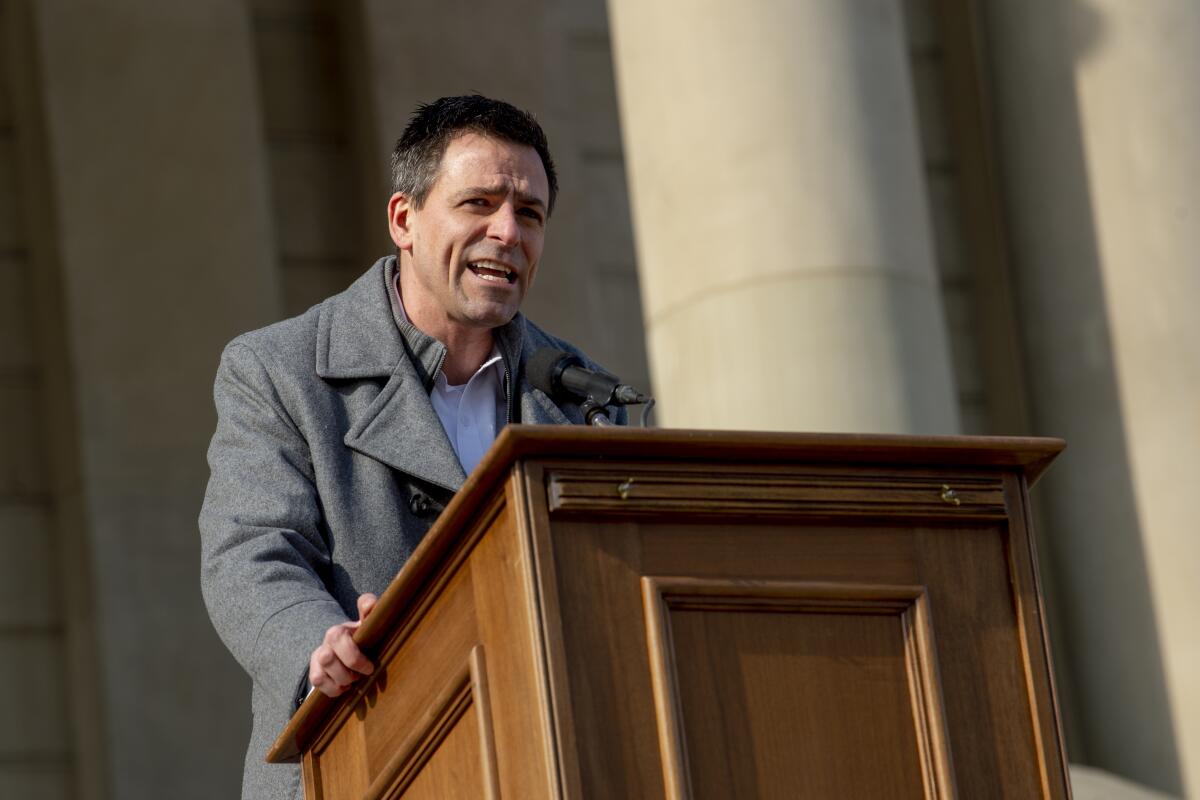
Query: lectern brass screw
x=950 y=496
x=624 y=488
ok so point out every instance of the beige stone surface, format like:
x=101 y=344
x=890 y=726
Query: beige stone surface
x=43 y=782
x=37 y=753
x=1100 y=131
x=1089 y=783
x=299 y=68
x=1140 y=109
x=11 y=222
x=16 y=344
x=314 y=220
x=28 y=578
x=34 y=700
x=23 y=469
x=817 y=353
x=155 y=165
x=773 y=154
x=310 y=133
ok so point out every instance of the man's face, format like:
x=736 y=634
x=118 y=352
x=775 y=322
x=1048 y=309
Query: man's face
x=473 y=248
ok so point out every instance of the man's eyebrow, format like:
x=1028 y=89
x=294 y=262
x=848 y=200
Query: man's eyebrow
x=526 y=199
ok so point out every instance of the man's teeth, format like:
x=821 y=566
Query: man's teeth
x=491 y=271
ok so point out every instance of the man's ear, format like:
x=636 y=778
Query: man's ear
x=399 y=221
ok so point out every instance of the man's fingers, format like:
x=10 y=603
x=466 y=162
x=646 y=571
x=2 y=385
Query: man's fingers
x=338 y=662
x=326 y=673
x=351 y=657
x=341 y=639
x=328 y=687
x=365 y=603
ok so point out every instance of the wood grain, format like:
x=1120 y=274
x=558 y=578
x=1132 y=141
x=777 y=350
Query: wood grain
x=506 y=613
x=695 y=491
x=410 y=760
x=684 y=614
x=797 y=681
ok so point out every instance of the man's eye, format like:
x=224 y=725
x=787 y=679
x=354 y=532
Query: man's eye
x=532 y=214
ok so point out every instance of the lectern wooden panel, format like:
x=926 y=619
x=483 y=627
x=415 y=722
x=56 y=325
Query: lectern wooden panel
x=642 y=614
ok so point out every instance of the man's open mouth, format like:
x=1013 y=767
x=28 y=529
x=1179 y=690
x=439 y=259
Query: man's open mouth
x=492 y=271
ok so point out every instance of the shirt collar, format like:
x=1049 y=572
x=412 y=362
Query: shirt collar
x=427 y=353
x=493 y=362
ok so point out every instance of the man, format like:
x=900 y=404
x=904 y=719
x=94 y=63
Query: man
x=344 y=431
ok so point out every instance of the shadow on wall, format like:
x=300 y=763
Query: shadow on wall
x=1118 y=713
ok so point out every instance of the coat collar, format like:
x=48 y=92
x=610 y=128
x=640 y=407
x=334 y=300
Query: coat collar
x=361 y=334
x=356 y=337
x=359 y=337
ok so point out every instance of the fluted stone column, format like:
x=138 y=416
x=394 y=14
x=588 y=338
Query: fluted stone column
x=782 y=226
x=156 y=227
x=1099 y=129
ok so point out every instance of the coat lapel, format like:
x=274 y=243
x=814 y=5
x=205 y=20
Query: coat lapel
x=538 y=409
x=357 y=339
x=401 y=429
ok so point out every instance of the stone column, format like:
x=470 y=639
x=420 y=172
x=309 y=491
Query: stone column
x=781 y=218
x=1099 y=132
x=155 y=224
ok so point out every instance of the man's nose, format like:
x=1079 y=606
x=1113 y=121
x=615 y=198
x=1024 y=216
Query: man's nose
x=503 y=225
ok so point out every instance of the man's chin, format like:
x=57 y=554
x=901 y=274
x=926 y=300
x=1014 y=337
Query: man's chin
x=489 y=316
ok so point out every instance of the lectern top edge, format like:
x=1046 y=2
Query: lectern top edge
x=1031 y=454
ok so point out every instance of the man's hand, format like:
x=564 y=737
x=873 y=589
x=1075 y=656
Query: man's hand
x=338 y=662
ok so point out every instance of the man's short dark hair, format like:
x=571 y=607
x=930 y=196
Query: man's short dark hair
x=419 y=151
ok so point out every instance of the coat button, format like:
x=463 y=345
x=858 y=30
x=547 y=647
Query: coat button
x=420 y=504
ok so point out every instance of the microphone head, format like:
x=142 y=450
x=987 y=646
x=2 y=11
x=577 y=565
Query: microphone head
x=545 y=367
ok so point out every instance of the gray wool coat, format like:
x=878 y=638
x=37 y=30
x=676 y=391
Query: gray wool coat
x=329 y=465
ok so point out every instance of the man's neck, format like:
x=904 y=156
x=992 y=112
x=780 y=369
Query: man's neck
x=466 y=347
x=465 y=354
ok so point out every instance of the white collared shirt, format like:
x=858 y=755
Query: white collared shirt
x=467 y=412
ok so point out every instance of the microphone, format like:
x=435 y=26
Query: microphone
x=560 y=374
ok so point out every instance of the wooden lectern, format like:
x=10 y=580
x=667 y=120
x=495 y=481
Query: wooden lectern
x=607 y=613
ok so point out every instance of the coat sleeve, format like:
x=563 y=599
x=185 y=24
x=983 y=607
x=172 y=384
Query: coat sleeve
x=262 y=544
